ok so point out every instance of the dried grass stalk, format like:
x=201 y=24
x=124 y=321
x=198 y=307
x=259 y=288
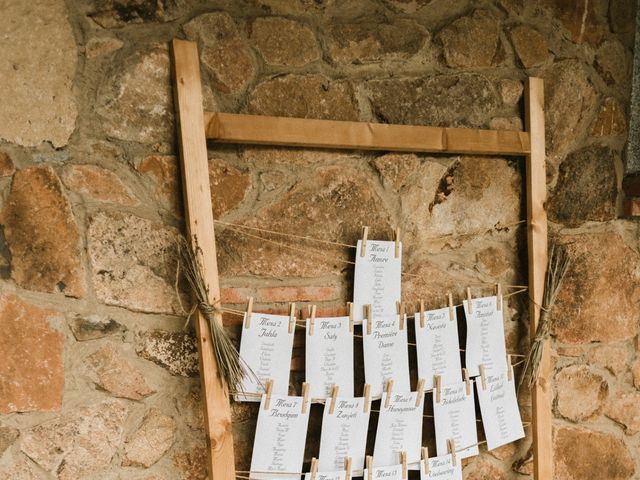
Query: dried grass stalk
x=556 y=270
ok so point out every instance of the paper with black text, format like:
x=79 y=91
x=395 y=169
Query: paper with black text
x=437 y=347
x=280 y=437
x=339 y=475
x=399 y=429
x=344 y=434
x=266 y=348
x=499 y=409
x=485 y=337
x=377 y=278
x=455 y=418
x=393 y=472
x=386 y=354
x=441 y=468
x=329 y=356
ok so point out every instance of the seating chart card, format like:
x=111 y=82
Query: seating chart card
x=266 y=347
x=340 y=475
x=377 y=278
x=386 y=354
x=485 y=337
x=280 y=437
x=455 y=418
x=393 y=472
x=399 y=429
x=441 y=468
x=329 y=356
x=437 y=347
x=344 y=433
x=499 y=408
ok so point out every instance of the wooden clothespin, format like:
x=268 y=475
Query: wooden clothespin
x=452 y=310
x=400 y=310
x=419 y=391
x=369 y=467
x=498 y=297
x=509 y=368
x=312 y=319
x=267 y=390
x=483 y=377
x=438 y=384
x=469 y=300
x=425 y=458
x=467 y=380
x=388 y=391
x=368 y=317
x=363 y=246
x=247 y=321
x=350 y=310
x=403 y=461
x=305 y=397
x=366 y=393
x=292 y=317
x=347 y=468
x=397 y=251
x=451 y=446
x=314 y=468
x=334 y=398
x=421 y=313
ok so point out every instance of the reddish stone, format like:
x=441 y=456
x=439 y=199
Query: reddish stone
x=613 y=357
x=96 y=47
x=32 y=369
x=530 y=45
x=625 y=410
x=580 y=393
x=580 y=19
x=298 y=294
x=99 y=184
x=471 y=41
x=163 y=172
x=7 y=168
x=38 y=222
x=229 y=186
x=235 y=294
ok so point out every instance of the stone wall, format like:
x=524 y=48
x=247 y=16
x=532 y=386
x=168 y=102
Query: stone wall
x=98 y=378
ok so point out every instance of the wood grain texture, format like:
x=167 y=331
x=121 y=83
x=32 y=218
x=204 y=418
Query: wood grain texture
x=300 y=132
x=536 y=184
x=199 y=216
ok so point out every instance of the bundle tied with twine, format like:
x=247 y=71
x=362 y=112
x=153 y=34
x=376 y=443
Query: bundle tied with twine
x=231 y=368
x=557 y=266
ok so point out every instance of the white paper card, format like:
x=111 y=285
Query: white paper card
x=441 y=468
x=437 y=347
x=339 y=475
x=266 y=347
x=399 y=430
x=280 y=437
x=499 y=409
x=485 y=337
x=344 y=434
x=329 y=356
x=393 y=472
x=455 y=418
x=386 y=354
x=377 y=278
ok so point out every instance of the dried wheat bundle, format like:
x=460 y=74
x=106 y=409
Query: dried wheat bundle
x=556 y=270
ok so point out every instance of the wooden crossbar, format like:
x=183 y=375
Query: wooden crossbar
x=195 y=126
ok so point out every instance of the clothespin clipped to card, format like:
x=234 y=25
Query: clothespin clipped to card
x=452 y=311
x=267 y=390
x=425 y=457
x=438 y=387
x=363 y=246
x=403 y=461
x=421 y=313
x=312 y=319
x=314 y=468
x=509 y=368
x=350 y=310
x=334 y=398
x=368 y=317
x=366 y=393
x=347 y=468
x=369 y=467
x=451 y=446
x=388 y=391
x=419 y=391
x=400 y=310
x=498 y=297
x=305 y=397
x=397 y=251
x=469 y=300
x=483 y=377
x=467 y=381
x=247 y=321
x=292 y=317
